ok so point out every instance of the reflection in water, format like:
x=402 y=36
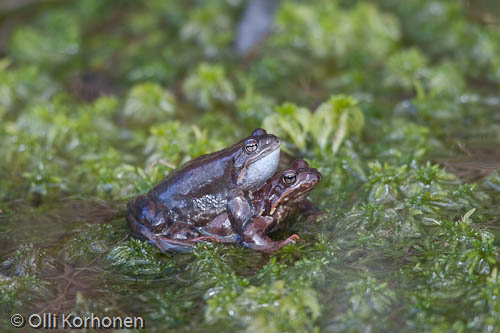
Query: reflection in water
x=21 y=223
x=35 y=242
x=475 y=164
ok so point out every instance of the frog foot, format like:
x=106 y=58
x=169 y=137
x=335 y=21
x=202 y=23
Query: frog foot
x=260 y=242
x=205 y=239
x=290 y=239
x=279 y=245
x=179 y=245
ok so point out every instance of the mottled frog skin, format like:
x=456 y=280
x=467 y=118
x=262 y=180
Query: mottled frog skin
x=192 y=196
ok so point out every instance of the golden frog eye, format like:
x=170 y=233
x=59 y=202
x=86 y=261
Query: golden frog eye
x=289 y=177
x=251 y=146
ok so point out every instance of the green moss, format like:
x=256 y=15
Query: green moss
x=18 y=293
x=324 y=29
x=409 y=70
x=89 y=242
x=210 y=27
x=147 y=102
x=172 y=308
x=268 y=308
x=136 y=257
x=52 y=42
x=208 y=86
x=369 y=297
x=326 y=128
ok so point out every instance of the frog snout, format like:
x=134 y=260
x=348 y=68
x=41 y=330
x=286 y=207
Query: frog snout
x=315 y=177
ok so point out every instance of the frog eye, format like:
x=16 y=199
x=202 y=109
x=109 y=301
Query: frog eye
x=251 y=146
x=289 y=177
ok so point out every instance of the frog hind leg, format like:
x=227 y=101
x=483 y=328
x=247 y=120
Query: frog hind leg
x=163 y=243
x=145 y=211
x=171 y=243
x=187 y=234
x=221 y=229
x=254 y=235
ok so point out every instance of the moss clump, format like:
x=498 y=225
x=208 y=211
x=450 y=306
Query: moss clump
x=327 y=128
x=19 y=293
x=136 y=258
x=269 y=308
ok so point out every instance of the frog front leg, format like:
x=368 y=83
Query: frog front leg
x=239 y=211
x=254 y=235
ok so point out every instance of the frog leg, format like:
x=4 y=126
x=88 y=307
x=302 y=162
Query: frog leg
x=254 y=235
x=239 y=211
x=166 y=244
x=146 y=212
x=187 y=234
x=163 y=243
x=179 y=238
x=221 y=229
x=232 y=238
x=151 y=225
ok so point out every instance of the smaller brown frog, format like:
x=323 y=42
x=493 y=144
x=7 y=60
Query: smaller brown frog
x=280 y=197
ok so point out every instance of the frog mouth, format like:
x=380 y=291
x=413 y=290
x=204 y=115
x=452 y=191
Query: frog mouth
x=258 y=169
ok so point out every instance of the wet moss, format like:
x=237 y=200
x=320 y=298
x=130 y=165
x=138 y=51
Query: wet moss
x=136 y=258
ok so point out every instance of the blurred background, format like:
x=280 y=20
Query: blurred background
x=395 y=102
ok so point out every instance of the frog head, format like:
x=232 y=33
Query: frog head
x=256 y=159
x=287 y=187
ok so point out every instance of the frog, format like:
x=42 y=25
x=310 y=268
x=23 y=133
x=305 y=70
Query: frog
x=202 y=189
x=280 y=197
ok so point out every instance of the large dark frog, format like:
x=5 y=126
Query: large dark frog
x=202 y=189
